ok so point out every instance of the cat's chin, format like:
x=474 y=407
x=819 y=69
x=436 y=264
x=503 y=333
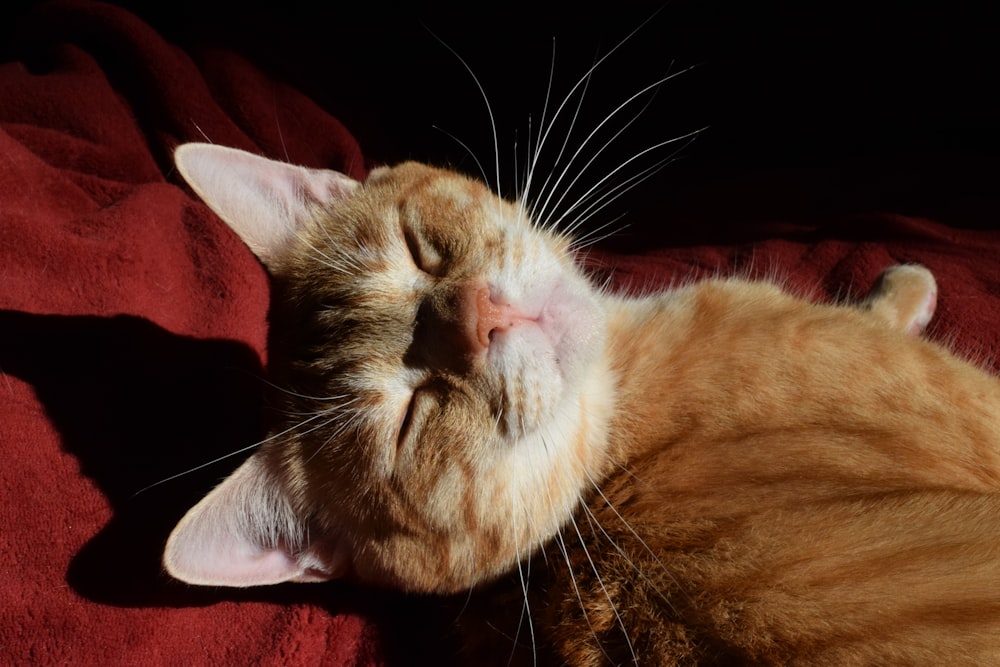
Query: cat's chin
x=544 y=362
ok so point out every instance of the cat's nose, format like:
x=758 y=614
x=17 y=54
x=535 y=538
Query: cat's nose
x=484 y=316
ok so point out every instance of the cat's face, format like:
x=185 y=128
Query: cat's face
x=443 y=388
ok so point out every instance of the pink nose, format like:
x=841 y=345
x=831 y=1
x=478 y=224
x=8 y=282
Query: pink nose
x=490 y=316
x=483 y=316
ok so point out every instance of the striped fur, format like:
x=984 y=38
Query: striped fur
x=722 y=473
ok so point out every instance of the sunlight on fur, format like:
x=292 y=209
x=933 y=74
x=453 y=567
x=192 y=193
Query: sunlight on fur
x=720 y=472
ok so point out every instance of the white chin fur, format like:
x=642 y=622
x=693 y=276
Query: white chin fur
x=544 y=363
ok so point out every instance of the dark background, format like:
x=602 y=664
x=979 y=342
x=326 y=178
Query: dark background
x=811 y=108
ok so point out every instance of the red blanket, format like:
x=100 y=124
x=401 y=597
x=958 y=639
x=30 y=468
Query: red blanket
x=132 y=329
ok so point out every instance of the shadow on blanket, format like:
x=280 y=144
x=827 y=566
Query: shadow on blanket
x=133 y=403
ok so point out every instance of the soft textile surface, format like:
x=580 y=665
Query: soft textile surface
x=132 y=329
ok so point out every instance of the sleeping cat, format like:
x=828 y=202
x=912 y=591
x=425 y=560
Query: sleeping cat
x=721 y=473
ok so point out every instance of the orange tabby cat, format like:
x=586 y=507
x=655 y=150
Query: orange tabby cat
x=721 y=473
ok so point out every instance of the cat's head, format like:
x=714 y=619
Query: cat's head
x=443 y=392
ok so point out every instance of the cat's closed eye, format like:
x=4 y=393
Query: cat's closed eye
x=406 y=421
x=421 y=408
x=423 y=254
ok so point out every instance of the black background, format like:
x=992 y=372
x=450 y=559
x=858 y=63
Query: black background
x=810 y=108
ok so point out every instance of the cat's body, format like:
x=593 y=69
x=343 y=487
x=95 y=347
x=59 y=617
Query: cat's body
x=818 y=491
x=720 y=473
x=821 y=490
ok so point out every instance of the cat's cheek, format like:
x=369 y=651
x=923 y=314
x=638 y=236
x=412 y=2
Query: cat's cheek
x=542 y=365
x=573 y=321
x=566 y=335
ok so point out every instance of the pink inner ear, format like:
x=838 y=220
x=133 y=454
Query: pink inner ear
x=219 y=541
x=239 y=564
x=244 y=569
x=195 y=556
x=265 y=201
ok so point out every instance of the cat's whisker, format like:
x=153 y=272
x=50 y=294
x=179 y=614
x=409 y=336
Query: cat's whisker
x=596 y=525
x=314 y=428
x=523 y=562
x=468 y=151
x=602 y=199
x=604 y=590
x=354 y=261
x=204 y=135
x=593 y=238
x=553 y=186
x=516 y=170
x=597 y=199
x=522 y=574
x=489 y=111
x=593 y=521
x=606 y=286
x=610 y=540
x=219 y=459
x=336 y=415
x=533 y=151
x=560 y=540
x=552 y=201
x=605 y=230
x=343 y=264
x=277 y=126
x=334 y=435
x=307 y=397
x=465 y=606
x=328 y=262
x=598 y=234
x=334 y=411
x=344 y=261
x=343 y=267
x=584 y=82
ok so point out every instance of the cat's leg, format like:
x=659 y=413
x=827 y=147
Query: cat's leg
x=905 y=297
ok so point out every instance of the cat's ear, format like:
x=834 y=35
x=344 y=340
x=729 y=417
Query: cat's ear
x=244 y=533
x=264 y=201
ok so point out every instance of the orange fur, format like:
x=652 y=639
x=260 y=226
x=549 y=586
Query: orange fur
x=821 y=493
x=719 y=474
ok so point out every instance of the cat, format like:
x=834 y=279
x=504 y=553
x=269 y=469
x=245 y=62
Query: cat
x=718 y=473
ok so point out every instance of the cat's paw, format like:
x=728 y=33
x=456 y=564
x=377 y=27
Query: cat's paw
x=905 y=297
